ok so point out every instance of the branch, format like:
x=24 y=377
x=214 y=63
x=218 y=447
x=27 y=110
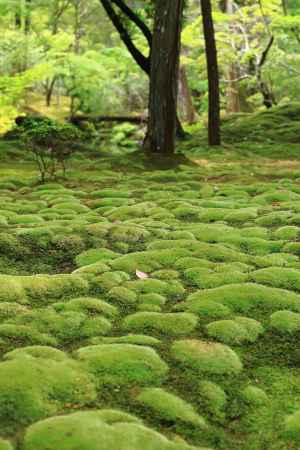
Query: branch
x=138 y=56
x=265 y=53
x=135 y=19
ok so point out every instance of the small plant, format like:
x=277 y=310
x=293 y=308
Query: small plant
x=51 y=142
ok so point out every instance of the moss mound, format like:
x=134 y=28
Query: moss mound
x=171 y=324
x=285 y=322
x=90 y=431
x=31 y=389
x=237 y=331
x=206 y=357
x=292 y=427
x=123 y=364
x=169 y=407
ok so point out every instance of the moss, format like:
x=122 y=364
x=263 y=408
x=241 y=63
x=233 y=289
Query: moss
x=292 y=427
x=5 y=445
x=190 y=262
x=123 y=364
x=288 y=233
x=87 y=305
x=292 y=247
x=206 y=278
x=10 y=310
x=254 y=396
x=171 y=324
x=95 y=255
x=285 y=322
x=213 y=397
x=237 y=331
x=26 y=219
x=128 y=233
x=206 y=357
x=165 y=288
x=136 y=339
x=24 y=335
x=244 y=297
x=89 y=431
x=31 y=389
x=148 y=261
x=170 y=407
x=109 y=280
x=274 y=219
x=166 y=274
x=37 y=351
x=92 y=269
x=122 y=295
x=278 y=277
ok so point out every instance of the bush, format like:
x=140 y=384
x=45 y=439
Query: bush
x=51 y=142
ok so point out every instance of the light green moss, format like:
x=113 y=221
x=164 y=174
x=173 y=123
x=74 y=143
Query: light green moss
x=165 y=288
x=278 y=277
x=206 y=357
x=149 y=261
x=206 y=278
x=92 y=269
x=88 y=305
x=108 y=280
x=171 y=324
x=123 y=364
x=151 y=299
x=136 y=339
x=169 y=407
x=285 y=322
x=254 y=396
x=37 y=351
x=122 y=295
x=89 y=431
x=5 y=445
x=31 y=389
x=166 y=274
x=292 y=427
x=128 y=233
x=95 y=255
x=288 y=233
x=244 y=297
x=10 y=310
x=25 y=335
x=213 y=397
x=237 y=331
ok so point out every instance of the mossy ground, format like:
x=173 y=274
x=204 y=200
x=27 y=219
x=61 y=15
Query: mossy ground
x=203 y=352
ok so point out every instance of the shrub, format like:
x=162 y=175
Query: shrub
x=51 y=142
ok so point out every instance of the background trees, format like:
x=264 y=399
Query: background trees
x=64 y=57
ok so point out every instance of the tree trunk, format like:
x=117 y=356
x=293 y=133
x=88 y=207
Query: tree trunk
x=214 y=127
x=185 y=97
x=164 y=77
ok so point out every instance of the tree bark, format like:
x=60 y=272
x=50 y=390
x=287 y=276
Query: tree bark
x=144 y=62
x=190 y=115
x=214 y=127
x=164 y=77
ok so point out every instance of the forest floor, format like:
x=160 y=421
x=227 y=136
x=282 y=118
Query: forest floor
x=166 y=312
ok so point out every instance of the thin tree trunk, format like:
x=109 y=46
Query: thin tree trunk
x=190 y=115
x=164 y=77
x=214 y=127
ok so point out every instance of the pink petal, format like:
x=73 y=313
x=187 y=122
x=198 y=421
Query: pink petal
x=141 y=275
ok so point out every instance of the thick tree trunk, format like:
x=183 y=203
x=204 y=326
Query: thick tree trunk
x=185 y=98
x=214 y=128
x=164 y=77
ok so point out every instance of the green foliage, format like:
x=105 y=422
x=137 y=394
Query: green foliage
x=51 y=142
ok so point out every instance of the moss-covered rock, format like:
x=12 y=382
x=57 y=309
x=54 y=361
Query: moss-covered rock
x=90 y=431
x=37 y=351
x=123 y=364
x=122 y=295
x=206 y=357
x=206 y=278
x=171 y=324
x=170 y=407
x=135 y=339
x=278 y=277
x=171 y=288
x=89 y=305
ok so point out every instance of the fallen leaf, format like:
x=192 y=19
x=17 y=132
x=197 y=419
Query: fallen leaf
x=141 y=275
